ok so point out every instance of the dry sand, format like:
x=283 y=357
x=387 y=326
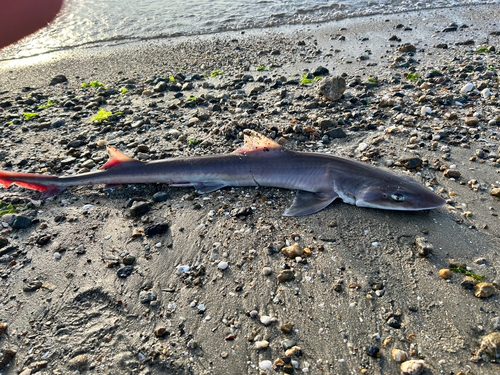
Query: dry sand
x=363 y=292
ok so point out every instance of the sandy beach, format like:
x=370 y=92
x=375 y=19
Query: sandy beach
x=151 y=279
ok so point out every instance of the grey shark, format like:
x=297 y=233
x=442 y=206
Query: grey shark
x=318 y=178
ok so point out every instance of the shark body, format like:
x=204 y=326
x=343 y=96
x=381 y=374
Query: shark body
x=318 y=178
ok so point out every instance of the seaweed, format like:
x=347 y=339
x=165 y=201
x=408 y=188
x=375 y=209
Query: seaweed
x=31 y=116
x=102 y=116
x=467 y=273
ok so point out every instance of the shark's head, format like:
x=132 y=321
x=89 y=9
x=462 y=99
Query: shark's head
x=400 y=195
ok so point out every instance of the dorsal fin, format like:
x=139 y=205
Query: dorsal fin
x=116 y=157
x=257 y=142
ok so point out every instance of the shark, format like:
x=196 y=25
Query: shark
x=319 y=178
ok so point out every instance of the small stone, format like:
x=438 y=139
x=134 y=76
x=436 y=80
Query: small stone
x=410 y=162
x=156 y=229
x=412 y=367
x=265 y=365
x=496 y=322
x=445 y=273
x=161 y=196
x=267 y=271
x=161 y=332
x=78 y=362
x=224 y=355
x=471 y=121
x=333 y=88
x=423 y=246
x=128 y=260
x=407 y=48
x=222 y=265
x=32 y=286
x=293 y=350
x=484 y=290
x=495 y=192
x=266 y=320
x=468 y=87
x=336 y=133
x=292 y=251
x=372 y=351
x=399 y=355
x=491 y=345
x=3 y=328
x=287 y=344
x=253 y=314
x=20 y=222
x=58 y=79
x=6 y=355
x=261 y=344
x=392 y=322
x=125 y=272
x=468 y=283
x=139 y=208
x=285 y=276
x=452 y=173
x=286 y=328
x=320 y=71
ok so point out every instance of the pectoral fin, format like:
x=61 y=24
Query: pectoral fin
x=307 y=203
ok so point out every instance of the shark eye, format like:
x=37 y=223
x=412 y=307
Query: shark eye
x=398 y=197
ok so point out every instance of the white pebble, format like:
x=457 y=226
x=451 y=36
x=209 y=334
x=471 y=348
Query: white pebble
x=266 y=320
x=57 y=255
x=223 y=265
x=265 y=365
x=467 y=88
x=183 y=269
x=261 y=344
x=87 y=207
x=425 y=110
x=486 y=93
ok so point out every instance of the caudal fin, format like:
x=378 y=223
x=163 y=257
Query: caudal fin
x=45 y=184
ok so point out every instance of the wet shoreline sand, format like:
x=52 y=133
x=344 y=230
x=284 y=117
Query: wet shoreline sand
x=152 y=279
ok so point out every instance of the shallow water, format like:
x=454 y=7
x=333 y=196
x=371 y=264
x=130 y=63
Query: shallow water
x=98 y=23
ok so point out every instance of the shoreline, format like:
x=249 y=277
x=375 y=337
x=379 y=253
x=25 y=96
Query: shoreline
x=198 y=283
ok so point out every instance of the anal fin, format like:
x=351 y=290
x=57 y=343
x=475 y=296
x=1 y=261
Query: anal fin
x=307 y=203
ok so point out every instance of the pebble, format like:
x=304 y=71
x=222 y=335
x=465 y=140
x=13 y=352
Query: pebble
x=484 y=290
x=161 y=196
x=471 y=121
x=412 y=367
x=292 y=251
x=78 y=362
x=287 y=344
x=468 y=283
x=333 y=88
x=266 y=320
x=223 y=265
x=468 y=87
x=125 y=272
x=138 y=209
x=265 y=365
x=495 y=192
x=261 y=344
x=452 y=173
x=490 y=345
x=285 y=276
x=496 y=322
x=161 y=332
x=423 y=246
x=286 y=328
x=445 y=273
x=267 y=271
x=3 y=328
x=292 y=351
x=19 y=222
x=399 y=355
x=128 y=260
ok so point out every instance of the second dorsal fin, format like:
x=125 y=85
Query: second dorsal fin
x=116 y=157
x=257 y=142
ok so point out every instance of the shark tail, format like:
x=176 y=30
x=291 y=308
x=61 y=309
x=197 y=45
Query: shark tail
x=46 y=184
